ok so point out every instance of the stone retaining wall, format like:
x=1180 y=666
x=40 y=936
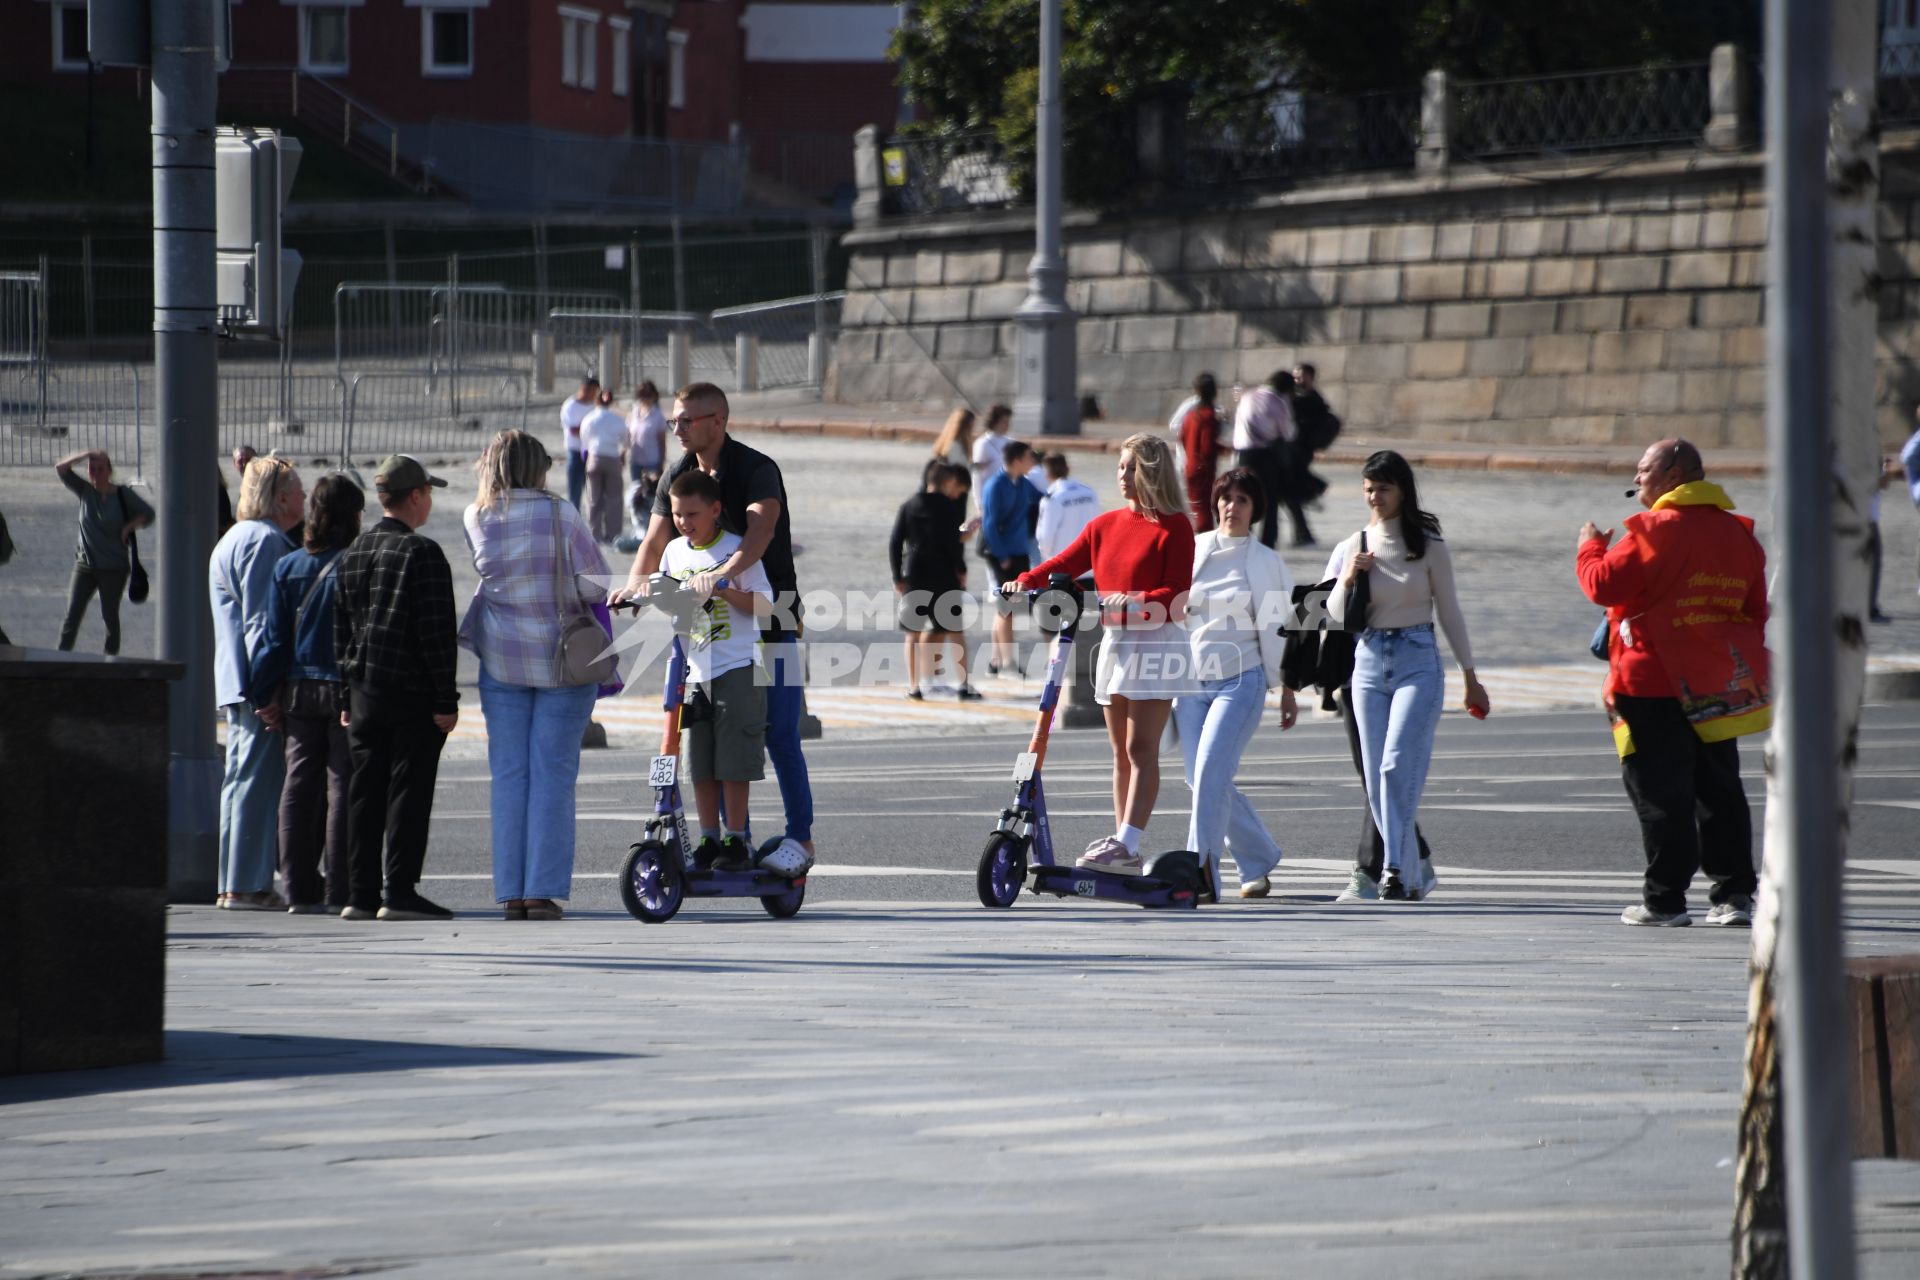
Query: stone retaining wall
x=1614 y=304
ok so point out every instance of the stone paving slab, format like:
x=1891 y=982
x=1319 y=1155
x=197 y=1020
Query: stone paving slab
x=1476 y=1089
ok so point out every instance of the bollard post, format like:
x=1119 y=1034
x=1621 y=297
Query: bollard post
x=609 y=362
x=542 y=361
x=679 y=357
x=1436 y=123
x=746 y=362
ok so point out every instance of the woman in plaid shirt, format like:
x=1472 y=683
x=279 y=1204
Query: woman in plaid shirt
x=534 y=725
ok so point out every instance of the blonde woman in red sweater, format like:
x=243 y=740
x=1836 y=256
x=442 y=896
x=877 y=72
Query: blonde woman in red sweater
x=1141 y=557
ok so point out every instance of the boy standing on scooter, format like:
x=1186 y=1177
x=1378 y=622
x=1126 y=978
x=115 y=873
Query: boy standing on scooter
x=726 y=707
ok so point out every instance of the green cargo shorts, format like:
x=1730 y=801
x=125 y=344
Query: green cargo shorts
x=730 y=745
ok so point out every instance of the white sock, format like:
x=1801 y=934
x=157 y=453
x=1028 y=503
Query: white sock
x=1130 y=837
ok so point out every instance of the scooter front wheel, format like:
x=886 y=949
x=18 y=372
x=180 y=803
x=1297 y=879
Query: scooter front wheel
x=1003 y=870
x=652 y=884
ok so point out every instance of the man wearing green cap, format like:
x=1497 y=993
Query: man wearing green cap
x=394 y=632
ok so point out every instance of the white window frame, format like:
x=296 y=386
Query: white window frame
x=61 y=60
x=443 y=71
x=677 y=70
x=579 y=52
x=620 y=56
x=307 y=63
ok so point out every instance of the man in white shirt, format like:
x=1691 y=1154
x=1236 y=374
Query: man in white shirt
x=1065 y=511
x=603 y=444
x=1262 y=429
x=573 y=412
x=990 y=449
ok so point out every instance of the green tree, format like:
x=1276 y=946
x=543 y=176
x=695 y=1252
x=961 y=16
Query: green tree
x=970 y=65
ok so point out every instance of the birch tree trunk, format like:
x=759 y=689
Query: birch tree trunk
x=1853 y=174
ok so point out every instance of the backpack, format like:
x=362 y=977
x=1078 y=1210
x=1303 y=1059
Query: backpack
x=1321 y=429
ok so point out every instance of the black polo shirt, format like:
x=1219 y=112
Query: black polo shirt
x=747 y=476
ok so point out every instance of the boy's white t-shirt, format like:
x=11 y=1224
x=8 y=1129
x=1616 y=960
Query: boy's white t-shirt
x=721 y=640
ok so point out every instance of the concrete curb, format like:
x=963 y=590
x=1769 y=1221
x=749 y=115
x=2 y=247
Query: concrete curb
x=1545 y=460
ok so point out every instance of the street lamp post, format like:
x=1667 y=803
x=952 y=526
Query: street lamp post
x=1046 y=402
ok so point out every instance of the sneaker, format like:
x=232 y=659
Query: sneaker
x=1360 y=888
x=967 y=693
x=704 y=853
x=733 y=855
x=1737 y=912
x=307 y=909
x=515 y=910
x=1395 y=889
x=411 y=906
x=264 y=900
x=351 y=912
x=1641 y=913
x=1428 y=880
x=993 y=668
x=1254 y=888
x=916 y=695
x=543 y=909
x=1108 y=854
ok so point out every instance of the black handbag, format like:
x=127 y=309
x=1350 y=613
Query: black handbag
x=137 y=584
x=1359 y=597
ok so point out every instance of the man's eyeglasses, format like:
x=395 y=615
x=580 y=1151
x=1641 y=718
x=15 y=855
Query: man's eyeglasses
x=683 y=421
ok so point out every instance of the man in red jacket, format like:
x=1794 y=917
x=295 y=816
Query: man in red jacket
x=1686 y=598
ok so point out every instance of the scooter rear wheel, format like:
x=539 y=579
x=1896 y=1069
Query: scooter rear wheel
x=1002 y=872
x=785 y=906
x=652 y=884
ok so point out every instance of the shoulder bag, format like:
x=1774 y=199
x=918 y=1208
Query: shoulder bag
x=582 y=654
x=137 y=585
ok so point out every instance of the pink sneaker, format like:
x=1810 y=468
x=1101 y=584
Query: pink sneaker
x=1109 y=854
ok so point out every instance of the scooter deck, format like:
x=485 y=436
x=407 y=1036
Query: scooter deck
x=739 y=884
x=1139 y=891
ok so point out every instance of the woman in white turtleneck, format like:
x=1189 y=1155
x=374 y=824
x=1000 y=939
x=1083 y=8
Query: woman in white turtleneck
x=1241 y=592
x=1398 y=686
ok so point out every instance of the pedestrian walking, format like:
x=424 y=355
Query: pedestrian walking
x=539 y=567
x=1262 y=420
x=753 y=504
x=1910 y=463
x=296 y=689
x=928 y=556
x=110 y=514
x=1685 y=592
x=573 y=412
x=1201 y=447
x=1141 y=555
x=393 y=629
x=726 y=734
x=1241 y=592
x=1006 y=535
x=240 y=584
x=1316 y=427
x=955 y=441
x=1068 y=507
x=6 y=557
x=603 y=439
x=989 y=448
x=1398 y=687
x=646 y=451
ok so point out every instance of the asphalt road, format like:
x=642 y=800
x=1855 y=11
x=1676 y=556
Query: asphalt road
x=1525 y=807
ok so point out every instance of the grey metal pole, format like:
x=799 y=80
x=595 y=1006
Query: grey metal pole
x=817 y=349
x=633 y=310
x=187 y=389
x=1813 y=1017
x=1045 y=398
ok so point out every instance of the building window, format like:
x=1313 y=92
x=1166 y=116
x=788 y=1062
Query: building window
x=619 y=54
x=579 y=47
x=69 y=37
x=676 y=68
x=446 y=42
x=323 y=39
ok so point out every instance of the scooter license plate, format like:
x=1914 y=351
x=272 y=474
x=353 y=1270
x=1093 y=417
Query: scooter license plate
x=664 y=771
x=1024 y=764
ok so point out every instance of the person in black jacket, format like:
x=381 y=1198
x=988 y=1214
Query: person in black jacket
x=928 y=554
x=394 y=635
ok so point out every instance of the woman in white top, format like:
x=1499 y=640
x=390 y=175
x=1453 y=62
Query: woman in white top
x=1397 y=682
x=603 y=438
x=1241 y=594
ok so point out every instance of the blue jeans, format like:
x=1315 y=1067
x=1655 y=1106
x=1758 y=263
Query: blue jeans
x=1215 y=725
x=533 y=754
x=785 y=694
x=576 y=478
x=1398 y=689
x=250 y=802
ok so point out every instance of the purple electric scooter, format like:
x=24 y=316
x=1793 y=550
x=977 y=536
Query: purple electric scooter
x=1021 y=846
x=660 y=875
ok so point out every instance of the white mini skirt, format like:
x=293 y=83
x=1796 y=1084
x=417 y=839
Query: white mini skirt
x=1143 y=663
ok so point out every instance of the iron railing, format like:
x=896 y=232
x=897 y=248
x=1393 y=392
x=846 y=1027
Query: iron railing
x=926 y=173
x=1899 y=87
x=1582 y=111
x=1294 y=136
x=291 y=94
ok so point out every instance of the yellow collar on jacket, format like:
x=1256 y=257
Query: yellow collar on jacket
x=1695 y=493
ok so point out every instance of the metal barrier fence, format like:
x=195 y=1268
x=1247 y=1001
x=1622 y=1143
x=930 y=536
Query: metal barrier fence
x=439 y=328
x=48 y=412
x=782 y=333
x=301 y=414
x=386 y=412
